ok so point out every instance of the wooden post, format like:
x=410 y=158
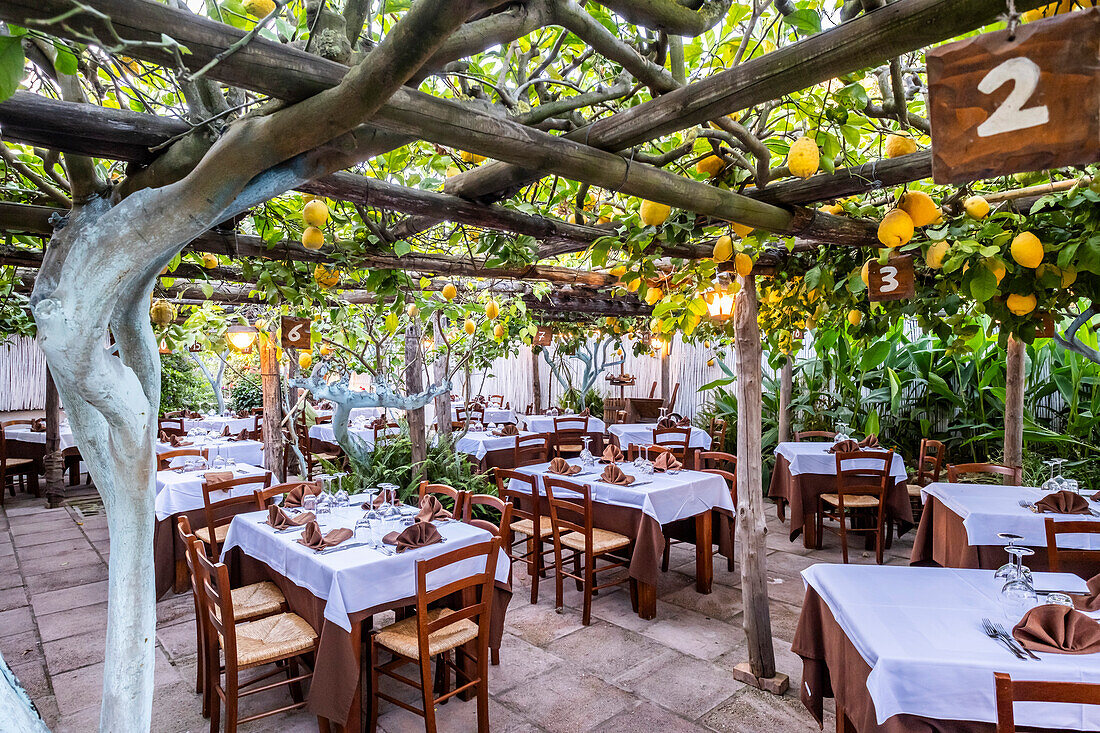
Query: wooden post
x=1014 y=403
x=54 y=463
x=273 y=406
x=666 y=378
x=440 y=368
x=536 y=383
x=759 y=671
x=786 y=376
x=414 y=383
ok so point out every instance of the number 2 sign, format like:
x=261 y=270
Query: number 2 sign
x=1001 y=106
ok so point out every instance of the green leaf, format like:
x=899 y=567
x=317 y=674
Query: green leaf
x=983 y=284
x=11 y=66
x=401 y=248
x=65 y=63
x=805 y=21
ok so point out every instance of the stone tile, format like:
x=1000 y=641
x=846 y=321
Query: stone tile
x=12 y=598
x=64 y=599
x=519 y=662
x=74 y=652
x=723 y=602
x=456 y=716
x=648 y=717
x=32 y=675
x=42 y=525
x=178 y=640
x=565 y=701
x=9 y=565
x=71 y=532
x=7 y=549
x=784 y=620
x=694 y=634
x=78 y=689
x=20 y=648
x=172 y=609
x=16 y=621
x=66 y=578
x=75 y=621
x=684 y=685
x=539 y=625
x=604 y=650
x=754 y=711
x=55 y=549
x=60 y=561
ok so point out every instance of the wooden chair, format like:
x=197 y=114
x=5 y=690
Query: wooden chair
x=814 y=435
x=717 y=432
x=164 y=460
x=725 y=465
x=384 y=433
x=929 y=466
x=282 y=639
x=25 y=469
x=1013 y=474
x=1078 y=561
x=528 y=521
x=857 y=489
x=72 y=458
x=266 y=497
x=220 y=513
x=677 y=440
x=571 y=522
x=459 y=423
x=671 y=403
x=443 y=491
x=496 y=400
x=531 y=449
x=476 y=412
x=569 y=432
x=634 y=450
x=1010 y=691
x=171 y=426
x=315 y=450
x=433 y=633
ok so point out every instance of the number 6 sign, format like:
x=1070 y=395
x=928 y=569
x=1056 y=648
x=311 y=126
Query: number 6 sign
x=295 y=332
x=1002 y=106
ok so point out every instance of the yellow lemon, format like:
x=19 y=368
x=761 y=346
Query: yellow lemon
x=576 y=219
x=209 y=261
x=834 y=209
x=1020 y=305
x=315 y=213
x=450 y=292
x=933 y=257
x=1069 y=276
x=162 y=312
x=976 y=207
x=325 y=277
x=710 y=362
x=603 y=220
x=706 y=344
x=743 y=263
x=996 y=267
x=305 y=360
x=897 y=145
x=654 y=214
x=473 y=158
x=711 y=165
x=920 y=207
x=855 y=317
x=741 y=230
x=492 y=310
x=470 y=326
x=896 y=228
x=652 y=295
x=312 y=238
x=1027 y=250
x=803 y=158
x=723 y=248
x=498 y=331
x=865 y=273
x=412 y=310
x=325 y=350
x=258 y=8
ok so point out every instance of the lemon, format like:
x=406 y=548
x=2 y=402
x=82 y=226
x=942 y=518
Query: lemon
x=741 y=230
x=723 y=248
x=743 y=263
x=209 y=261
x=710 y=362
x=935 y=254
x=865 y=273
x=492 y=310
x=162 y=312
x=996 y=267
x=855 y=317
x=576 y=219
x=472 y=158
x=470 y=326
x=1027 y=250
x=312 y=238
x=834 y=209
x=498 y=331
x=1069 y=276
x=652 y=295
x=710 y=166
x=1021 y=305
x=412 y=310
x=896 y=228
x=654 y=214
x=450 y=292
x=920 y=207
x=897 y=145
x=603 y=220
x=976 y=207
x=325 y=350
x=325 y=277
x=305 y=360
x=258 y=8
x=315 y=213
x=803 y=158
x=706 y=344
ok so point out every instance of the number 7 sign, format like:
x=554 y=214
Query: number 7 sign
x=1002 y=106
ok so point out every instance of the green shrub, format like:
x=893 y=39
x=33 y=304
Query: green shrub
x=245 y=394
x=182 y=386
x=571 y=400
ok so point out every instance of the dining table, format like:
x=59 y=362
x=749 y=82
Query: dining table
x=960 y=524
x=23 y=442
x=492 y=415
x=486 y=449
x=338 y=591
x=903 y=649
x=684 y=505
x=545 y=423
x=218 y=423
x=325 y=432
x=241 y=451
x=623 y=434
x=805 y=471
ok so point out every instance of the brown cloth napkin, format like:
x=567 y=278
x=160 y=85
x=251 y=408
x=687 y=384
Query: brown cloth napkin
x=1091 y=602
x=216 y=477
x=508 y=429
x=165 y=437
x=673 y=422
x=314 y=540
x=420 y=534
x=378 y=422
x=38 y=425
x=561 y=467
x=225 y=431
x=431 y=509
x=1058 y=629
x=667 y=462
x=614 y=475
x=871 y=441
x=279 y=519
x=844 y=446
x=611 y=454
x=377 y=502
x=1062 y=502
x=176 y=441
x=243 y=435
x=585 y=413
x=1096 y=496
x=293 y=498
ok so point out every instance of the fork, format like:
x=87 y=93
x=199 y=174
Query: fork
x=991 y=632
x=1027 y=504
x=1005 y=635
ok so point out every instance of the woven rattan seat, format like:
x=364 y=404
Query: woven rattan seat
x=913 y=489
x=18 y=462
x=273 y=637
x=602 y=541
x=401 y=636
x=851 y=501
x=203 y=533
x=527 y=527
x=258 y=599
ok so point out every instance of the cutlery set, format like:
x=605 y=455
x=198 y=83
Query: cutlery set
x=998 y=633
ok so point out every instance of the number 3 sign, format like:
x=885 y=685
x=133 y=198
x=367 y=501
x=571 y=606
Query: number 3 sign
x=893 y=281
x=1002 y=106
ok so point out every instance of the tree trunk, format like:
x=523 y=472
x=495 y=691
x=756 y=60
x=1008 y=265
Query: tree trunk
x=1014 y=403
x=751 y=529
x=273 y=406
x=536 y=382
x=440 y=367
x=666 y=377
x=786 y=376
x=414 y=383
x=55 y=463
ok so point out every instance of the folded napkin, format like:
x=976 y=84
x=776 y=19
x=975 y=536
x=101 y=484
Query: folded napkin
x=420 y=534
x=314 y=540
x=614 y=475
x=293 y=497
x=225 y=431
x=667 y=462
x=431 y=509
x=1091 y=602
x=871 y=441
x=243 y=435
x=1062 y=502
x=844 y=446
x=611 y=454
x=177 y=441
x=585 y=413
x=165 y=437
x=378 y=501
x=1058 y=629
x=191 y=414
x=216 y=477
x=38 y=425
x=672 y=421
x=561 y=467
x=279 y=519
x=378 y=422
x=1096 y=496
x=243 y=414
x=508 y=429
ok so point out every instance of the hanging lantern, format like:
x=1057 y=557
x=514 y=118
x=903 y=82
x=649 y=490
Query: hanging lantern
x=241 y=337
x=720 y=301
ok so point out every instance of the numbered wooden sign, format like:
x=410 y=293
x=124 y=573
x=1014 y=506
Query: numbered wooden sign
x=295 y=332
x=893 y=281
x=1001 y=106
x=544 y=336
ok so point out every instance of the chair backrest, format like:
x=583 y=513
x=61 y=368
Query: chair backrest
x=503 y=510
x=872 y=477
x=477 y=607
x=1069 y=560
x=183 y=528
x=675 y=439
x=930 y=462
x=653 y=390
x=3 y=438
x=220 y=511
x=569 y=432
x=1013 y=474
x=1010 y=691
x=813 y=435
x=718 y=431
x=531 y=449
x=257 y=421
x=521 y=491
x=672 y=399
x=634 y=450
x=164 y=460
x=265 y=497
x=383 y=433
x=171 y=426
x=715 y=459
x=476 y=410
x=497 y=399
x=216 y=603
x=256 y=411
x=457 y=497
x=570 y=508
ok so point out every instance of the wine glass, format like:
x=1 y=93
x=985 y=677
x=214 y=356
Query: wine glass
x=1018 y=594
x=309 y=503
x=1058 y=599
x=587 y=459
x=1054 y=483
x=1008 y=570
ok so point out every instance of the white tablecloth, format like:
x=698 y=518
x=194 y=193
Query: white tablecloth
x=545 y=423
x=242 y=451
x=326 y=433
x=919 y=629
x=479 y=443
x=988 y=509
x=217 y=422
x=665 y=497
x=492 y=415
x=25 y=434
x=816 y=458
x=358 y=578
x=182 y=492
x=642 y=434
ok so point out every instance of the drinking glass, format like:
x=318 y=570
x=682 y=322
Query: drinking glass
x=324 y=503
x=1055 y=482
x=1058 y=599
x=309 y=502
x=231 y=463
x=218 y=463
x=340 y=499
x=587 y=459
x=1008 y=571
x=1017 y=598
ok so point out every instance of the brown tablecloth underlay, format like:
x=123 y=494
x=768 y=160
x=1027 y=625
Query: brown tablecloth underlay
x=831 y=667
x=505 y=457
x=336 y=675
x=800 y=493
x=168 y=547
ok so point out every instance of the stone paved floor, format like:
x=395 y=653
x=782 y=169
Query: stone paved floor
x=618 y=674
